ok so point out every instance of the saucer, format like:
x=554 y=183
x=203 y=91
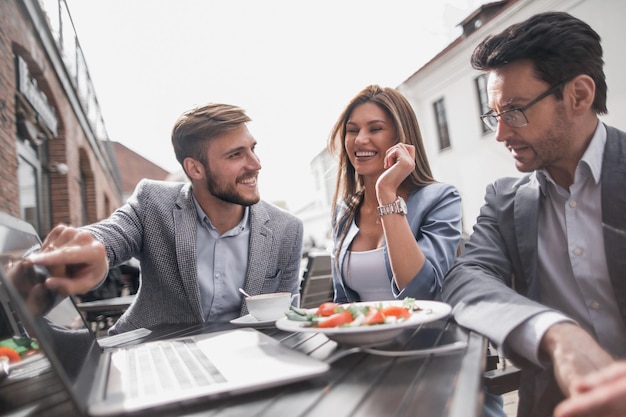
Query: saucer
x=249 y=321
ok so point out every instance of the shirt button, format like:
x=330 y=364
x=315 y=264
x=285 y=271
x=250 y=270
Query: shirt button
x=573 y=204
x=594 y=304
x=218 y=276
x=578 y=251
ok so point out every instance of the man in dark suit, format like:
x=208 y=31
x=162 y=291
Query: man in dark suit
x=197 y=242
x=544 y=273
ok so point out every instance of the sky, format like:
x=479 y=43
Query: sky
x=291 y=64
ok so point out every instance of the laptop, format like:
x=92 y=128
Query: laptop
x=104 y=381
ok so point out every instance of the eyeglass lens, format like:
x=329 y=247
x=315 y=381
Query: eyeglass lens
x=516 y=117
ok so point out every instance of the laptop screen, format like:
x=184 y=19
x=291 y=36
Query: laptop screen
x=40 y=322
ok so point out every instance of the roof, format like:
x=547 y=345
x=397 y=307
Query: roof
x=476 y=19
x=134 y=167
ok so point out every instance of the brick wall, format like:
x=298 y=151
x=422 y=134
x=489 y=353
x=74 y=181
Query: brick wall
x=70 y=146
x=8 y=158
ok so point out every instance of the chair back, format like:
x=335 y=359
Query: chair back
x=317 y=282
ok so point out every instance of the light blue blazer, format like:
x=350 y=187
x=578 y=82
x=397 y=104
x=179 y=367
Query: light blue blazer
x=434 y=214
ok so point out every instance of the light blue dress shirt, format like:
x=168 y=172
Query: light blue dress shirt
x=222 y=266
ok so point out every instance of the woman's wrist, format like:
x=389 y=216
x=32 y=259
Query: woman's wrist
x=386 y=196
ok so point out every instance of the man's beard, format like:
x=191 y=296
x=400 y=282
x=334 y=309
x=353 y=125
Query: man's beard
x=548 y=151
x=227 y=192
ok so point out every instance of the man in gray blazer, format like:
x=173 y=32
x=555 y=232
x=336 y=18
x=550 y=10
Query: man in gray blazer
x=198 y=242
x=543 y=275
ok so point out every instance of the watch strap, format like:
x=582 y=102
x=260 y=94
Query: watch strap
x=392 y=208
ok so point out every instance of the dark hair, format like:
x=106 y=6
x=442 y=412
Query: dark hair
x=560 y=46
x=196 y=127
x=349 y=187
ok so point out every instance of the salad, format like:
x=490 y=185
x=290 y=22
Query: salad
x=17 y=348
x=330 y=314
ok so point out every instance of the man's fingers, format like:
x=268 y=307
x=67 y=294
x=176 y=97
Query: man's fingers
x=69 y=286
x=70 y=254
x=607 y=401
x=614 y=372
x=63 y=235
x=76 y=261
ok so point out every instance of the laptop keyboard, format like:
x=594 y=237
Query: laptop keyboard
x=169 y=365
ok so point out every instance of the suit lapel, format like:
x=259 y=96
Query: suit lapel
x=526 y=213
x=260 y=244
x=614 y=213
x=185 y=224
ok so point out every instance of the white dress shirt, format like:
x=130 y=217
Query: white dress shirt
x=572 y=262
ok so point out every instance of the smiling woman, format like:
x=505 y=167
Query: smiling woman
x=396 y=230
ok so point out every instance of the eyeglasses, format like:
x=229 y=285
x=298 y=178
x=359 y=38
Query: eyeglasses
x=515 y=117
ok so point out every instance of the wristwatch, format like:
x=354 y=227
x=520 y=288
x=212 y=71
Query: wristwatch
x=398 y=206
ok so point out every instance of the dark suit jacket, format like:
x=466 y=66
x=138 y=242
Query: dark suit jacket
x=503 y=250
x=158 y=227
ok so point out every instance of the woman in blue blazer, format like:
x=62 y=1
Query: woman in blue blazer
x=396 y=230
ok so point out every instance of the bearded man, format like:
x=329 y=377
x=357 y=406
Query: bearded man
x=197 y=242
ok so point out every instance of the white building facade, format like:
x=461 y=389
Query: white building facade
x=446 y=94
x=448 y=97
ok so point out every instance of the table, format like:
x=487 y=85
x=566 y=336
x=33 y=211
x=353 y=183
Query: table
x=360 y=384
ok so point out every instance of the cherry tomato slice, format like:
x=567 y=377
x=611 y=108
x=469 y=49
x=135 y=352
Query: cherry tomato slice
x=396 y=311
x=327 y=309
x=10 y=353
x=336 y=320
x=374 y=316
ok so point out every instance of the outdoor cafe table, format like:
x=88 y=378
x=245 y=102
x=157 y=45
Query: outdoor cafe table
x=359 y=384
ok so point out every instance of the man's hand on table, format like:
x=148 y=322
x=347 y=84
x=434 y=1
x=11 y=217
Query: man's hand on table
x=573 y=353
x=591 y=379
x=76 y=260
x=599 y=394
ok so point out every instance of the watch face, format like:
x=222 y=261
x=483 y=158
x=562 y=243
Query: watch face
x=403 y=208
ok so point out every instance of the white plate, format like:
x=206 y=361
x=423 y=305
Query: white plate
x=374 y=334
x=249 y=321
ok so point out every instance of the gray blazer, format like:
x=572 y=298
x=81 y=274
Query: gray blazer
x=503 y=250
x=158 y=226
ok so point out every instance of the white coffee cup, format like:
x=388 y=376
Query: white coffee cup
x=268 y=307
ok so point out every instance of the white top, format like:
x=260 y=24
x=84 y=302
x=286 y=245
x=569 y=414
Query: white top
x=366 y=274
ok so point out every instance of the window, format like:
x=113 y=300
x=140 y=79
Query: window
x=483 y=100
x=33 y=200
x=28 y=180
x=36 y=122
x=442 y=124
